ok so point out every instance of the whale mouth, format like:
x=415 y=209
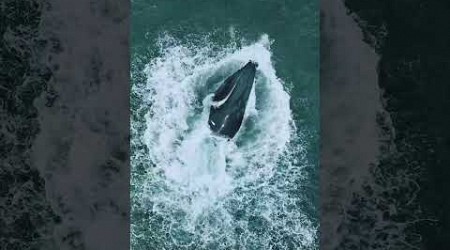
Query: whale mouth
x=230 y=100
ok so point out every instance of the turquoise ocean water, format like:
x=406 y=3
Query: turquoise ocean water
x=192 y=190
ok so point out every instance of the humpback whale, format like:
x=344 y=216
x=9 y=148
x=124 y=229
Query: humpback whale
x=229 y=101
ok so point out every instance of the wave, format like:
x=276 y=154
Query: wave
x=200 y=191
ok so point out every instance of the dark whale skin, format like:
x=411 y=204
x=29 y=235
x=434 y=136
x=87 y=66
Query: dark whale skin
x=226 y=119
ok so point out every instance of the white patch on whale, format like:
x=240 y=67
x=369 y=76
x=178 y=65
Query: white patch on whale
x=218 y=104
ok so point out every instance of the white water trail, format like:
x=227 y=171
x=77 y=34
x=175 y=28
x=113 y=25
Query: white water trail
x=204 y=187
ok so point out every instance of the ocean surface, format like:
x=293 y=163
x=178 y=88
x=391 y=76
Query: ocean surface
x=192 y=190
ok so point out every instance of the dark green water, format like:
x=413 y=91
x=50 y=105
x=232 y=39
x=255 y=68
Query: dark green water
x=411 y=39
x=264 y=195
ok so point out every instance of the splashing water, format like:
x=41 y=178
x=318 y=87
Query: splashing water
x=199 y=191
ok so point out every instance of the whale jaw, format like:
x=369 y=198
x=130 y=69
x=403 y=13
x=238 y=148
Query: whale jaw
x=230 y=100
